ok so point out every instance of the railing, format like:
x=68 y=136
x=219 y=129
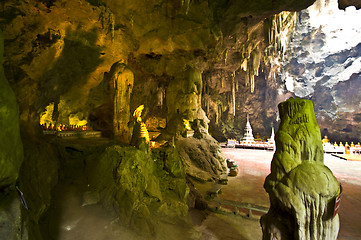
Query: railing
x=237 y=205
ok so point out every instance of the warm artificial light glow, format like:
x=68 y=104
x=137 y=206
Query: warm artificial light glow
x=137 y=113
x=143 y=129
x=187 y=125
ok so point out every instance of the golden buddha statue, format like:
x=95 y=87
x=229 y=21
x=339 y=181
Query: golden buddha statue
x=325 y=140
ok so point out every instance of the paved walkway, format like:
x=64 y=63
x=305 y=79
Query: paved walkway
x=254 y=166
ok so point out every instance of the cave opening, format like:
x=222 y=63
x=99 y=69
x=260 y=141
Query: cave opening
x=324 y=53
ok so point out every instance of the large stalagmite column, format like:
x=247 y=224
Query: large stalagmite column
x=183 y=98
x=302 y=190
x=122 y=80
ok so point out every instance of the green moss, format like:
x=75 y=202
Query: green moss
x=11 y=149
x=300 y=186
x=142 y=185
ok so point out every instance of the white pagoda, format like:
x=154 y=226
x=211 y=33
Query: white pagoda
x=272 y=139
x=248 y=135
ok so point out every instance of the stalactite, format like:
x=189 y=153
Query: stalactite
x=219 y=113
x=252 y=84
x=246 y=79
x=256 y=61
x=236 y=82
x=186 y=3
x=225 y=56
x=207 y=104
x=244 y=65
x=233 y=103
x=279 y=31
x=221 y=79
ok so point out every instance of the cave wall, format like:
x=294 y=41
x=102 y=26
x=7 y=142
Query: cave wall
x=11 y=148
x=59 y=55
x=60 y=52
x=11 y=155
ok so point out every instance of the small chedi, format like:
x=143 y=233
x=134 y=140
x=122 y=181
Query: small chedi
x=302 y=190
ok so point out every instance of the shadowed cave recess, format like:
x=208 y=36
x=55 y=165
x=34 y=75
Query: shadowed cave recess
x=118 y=107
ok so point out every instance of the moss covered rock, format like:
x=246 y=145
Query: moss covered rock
x=301 y=188
x=142 y=186
x=11 y=149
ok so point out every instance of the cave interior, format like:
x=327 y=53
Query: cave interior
x=120 y=106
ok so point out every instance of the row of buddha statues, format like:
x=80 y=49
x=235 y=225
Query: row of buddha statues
x=63 y=127
x=347 y=145
x=326 y=140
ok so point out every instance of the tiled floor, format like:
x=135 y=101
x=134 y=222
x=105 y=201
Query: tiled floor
x=254 y=166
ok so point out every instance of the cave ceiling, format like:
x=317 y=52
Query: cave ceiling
x=61 y=53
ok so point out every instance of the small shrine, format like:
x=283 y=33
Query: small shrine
x=248 y=135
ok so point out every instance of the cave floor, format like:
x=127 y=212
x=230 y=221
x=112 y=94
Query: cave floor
x=73 y=217
x=254 y=166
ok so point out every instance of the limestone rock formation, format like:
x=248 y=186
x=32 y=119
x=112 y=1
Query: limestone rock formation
x=122 y=79
x=184 y=100
x=196 y=60
x=11 y=148
x=342 y=4
x=142 y=186
x=302 y=190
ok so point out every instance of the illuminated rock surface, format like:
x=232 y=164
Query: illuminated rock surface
x=122 y=79
x=208 y=62
x=301 y=188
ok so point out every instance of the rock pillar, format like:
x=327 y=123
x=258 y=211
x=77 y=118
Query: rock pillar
x=302 y=190
x=183 y=97
x=122 y=80
x=11 y=148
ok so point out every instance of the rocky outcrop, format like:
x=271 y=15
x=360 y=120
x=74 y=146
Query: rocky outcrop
x=302 y=190
x=39 y=174
x=11 y=158
x=142 y=186
x=122 y=80
x=342 y=4
x=72 y=46
x=11 y=148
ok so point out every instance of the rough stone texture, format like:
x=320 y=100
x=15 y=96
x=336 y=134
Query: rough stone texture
x=204 y=158
x=209 y=55
x=301 y=188
x=60 y=51
x=142 y=186
x=10 y=217
x=184 y=101
x=322 y=64
x=37 y=178
x=342 y=4
x=123 y=80
x=11 y=148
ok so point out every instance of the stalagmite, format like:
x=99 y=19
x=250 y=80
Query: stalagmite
x=302 y=190
x=122 y=79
